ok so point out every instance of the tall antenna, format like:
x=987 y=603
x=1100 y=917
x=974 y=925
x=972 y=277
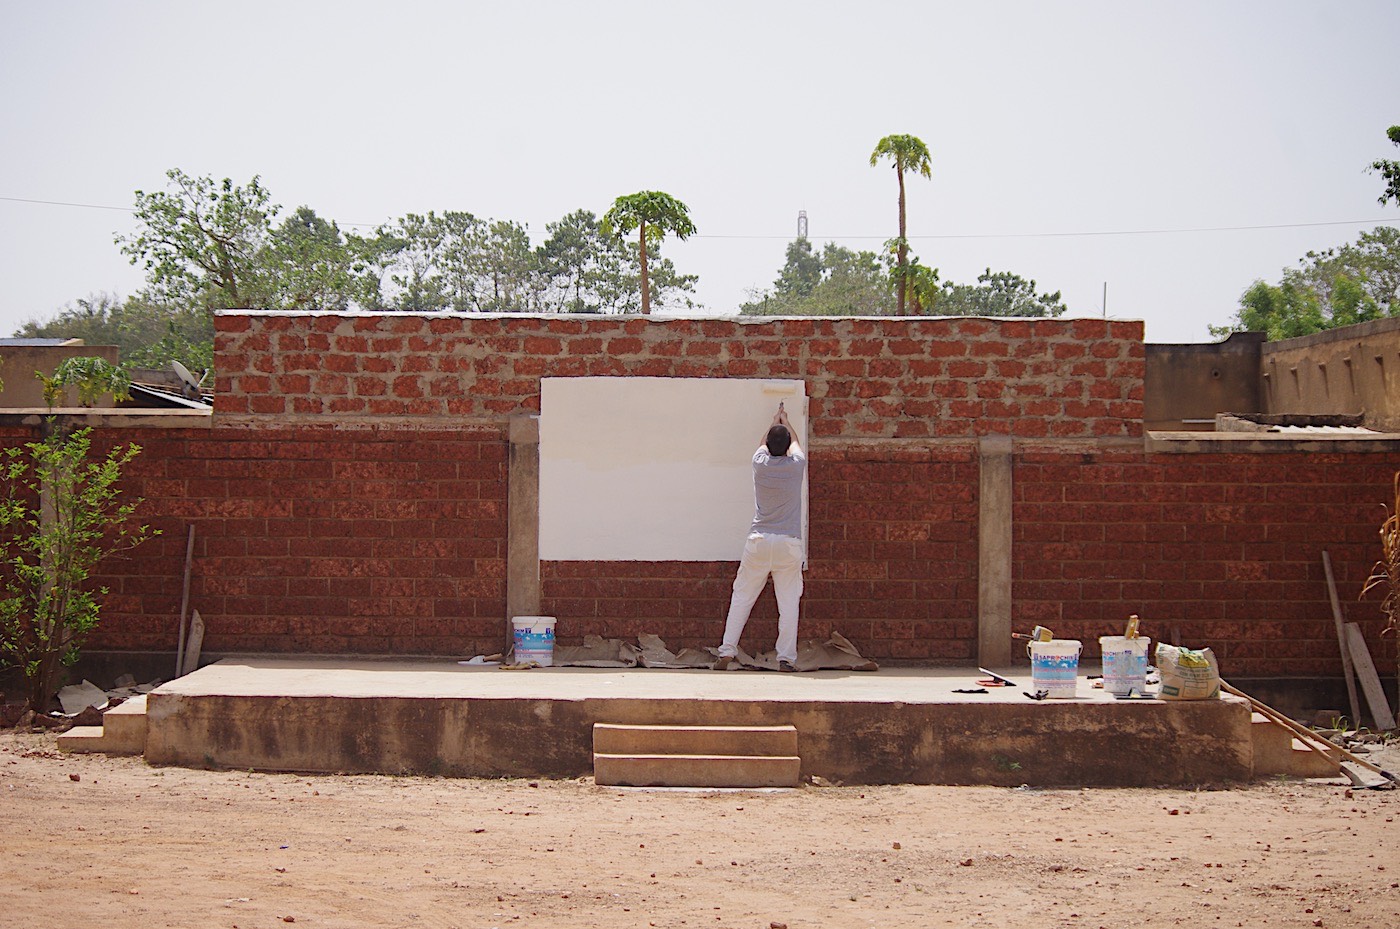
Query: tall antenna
x=802 y=224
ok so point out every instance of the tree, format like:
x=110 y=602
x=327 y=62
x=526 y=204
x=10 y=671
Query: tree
x=908 y=153
x=1354 y=283
x=583 y=270
x=997 y=294
x=92 y=376
x=653 y=214
x=308 y=264
x=1389 y=171
x=148 y=333
x=802 y=270
x=60 y=515
x=849 y=284
x=203 y=242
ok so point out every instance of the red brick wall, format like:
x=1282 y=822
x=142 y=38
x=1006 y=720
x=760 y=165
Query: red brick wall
x=1225 y=550
x=893 y=566
x=351 y=496
x=865 y=377
x=316 y=540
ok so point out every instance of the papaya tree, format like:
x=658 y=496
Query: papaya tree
x=651 y=214
x=908 y=153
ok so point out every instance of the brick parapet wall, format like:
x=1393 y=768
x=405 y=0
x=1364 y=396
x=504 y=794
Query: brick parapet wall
x=866 y=377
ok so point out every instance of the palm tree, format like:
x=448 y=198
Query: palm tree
x=653 y=214
x=909 y=153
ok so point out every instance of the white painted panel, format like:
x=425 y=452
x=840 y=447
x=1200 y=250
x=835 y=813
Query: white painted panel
x=654 y=468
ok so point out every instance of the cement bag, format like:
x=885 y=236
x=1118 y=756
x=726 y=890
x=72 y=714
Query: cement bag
x=1188 y=673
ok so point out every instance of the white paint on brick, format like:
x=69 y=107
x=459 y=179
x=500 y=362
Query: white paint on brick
x=652 y=468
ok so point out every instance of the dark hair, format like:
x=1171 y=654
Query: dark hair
x=778 y=440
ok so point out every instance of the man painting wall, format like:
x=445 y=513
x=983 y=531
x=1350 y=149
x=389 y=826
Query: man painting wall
x=774 y=545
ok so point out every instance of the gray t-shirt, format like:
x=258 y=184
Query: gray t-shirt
x=777 y=492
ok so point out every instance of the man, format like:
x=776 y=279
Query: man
x=774 y=545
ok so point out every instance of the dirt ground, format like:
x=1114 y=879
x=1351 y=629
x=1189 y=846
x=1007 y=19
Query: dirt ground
x=90 y=841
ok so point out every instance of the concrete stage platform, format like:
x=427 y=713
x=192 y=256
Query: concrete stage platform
x=902 y=725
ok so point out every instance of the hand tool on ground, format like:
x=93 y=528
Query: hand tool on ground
x=994 y=679
x=1305 y=735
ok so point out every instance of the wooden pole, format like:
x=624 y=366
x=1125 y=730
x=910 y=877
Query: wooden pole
x=184 y=604
x=1300 y=730
x=1342 y=640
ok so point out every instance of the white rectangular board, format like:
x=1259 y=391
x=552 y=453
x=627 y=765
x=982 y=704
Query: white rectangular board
x=654 y=468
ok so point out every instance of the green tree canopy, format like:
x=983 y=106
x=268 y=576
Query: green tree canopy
x=652 y=214
x=848 y=283
x=202 y=242
x=1389 y=171
x=999 y=293
x=1355 y=283
x=908 y=153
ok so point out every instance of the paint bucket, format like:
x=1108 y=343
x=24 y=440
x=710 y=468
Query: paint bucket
x=534 y=639
x=1055 y=667
x=1124 y=663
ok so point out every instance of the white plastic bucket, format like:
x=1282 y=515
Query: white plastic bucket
x=1124 y=663
x=534 y=639
x=1055 y=667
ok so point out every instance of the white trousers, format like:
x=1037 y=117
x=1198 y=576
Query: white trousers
x=765 y=554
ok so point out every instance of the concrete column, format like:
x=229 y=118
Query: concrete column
x=994 y=553
x=523 y=526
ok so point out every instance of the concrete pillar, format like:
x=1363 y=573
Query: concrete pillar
x=994 y=553
x=523 y=526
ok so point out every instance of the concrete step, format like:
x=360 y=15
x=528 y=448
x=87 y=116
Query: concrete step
x=696 y=770
x=1277 y=751
x=123 y=731
x=610 y=739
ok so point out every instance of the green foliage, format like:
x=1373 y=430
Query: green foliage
x=60 y=515
x=908 y=153
x=848 y=283
x=1355 y=283
x=1389 y=171
x=202 y=242
x=653 y=214
x=802 y=270
x=308 y=264
x=148 y=334
x=999 y=293
x=92 y=376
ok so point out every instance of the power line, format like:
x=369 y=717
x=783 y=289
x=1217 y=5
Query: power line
x=1113 y=232
x=881 y=238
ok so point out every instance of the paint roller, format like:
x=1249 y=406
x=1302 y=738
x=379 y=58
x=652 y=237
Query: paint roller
x=779 y=388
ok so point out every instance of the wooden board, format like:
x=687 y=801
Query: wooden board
x=1342 y=639
x=1370 y=681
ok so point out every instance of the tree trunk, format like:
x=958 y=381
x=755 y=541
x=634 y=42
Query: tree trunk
x=646 y=290
x=903 y=283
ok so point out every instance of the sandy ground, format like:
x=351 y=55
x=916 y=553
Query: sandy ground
x=91 y=841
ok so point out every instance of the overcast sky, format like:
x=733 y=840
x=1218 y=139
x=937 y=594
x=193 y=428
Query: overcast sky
x=1074 y=143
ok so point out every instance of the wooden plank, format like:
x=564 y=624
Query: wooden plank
x=1370 y=681
x=184 y=605
x=195 y=643
x=1342 y=639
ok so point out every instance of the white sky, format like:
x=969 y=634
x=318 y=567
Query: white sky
x=1041 y=118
